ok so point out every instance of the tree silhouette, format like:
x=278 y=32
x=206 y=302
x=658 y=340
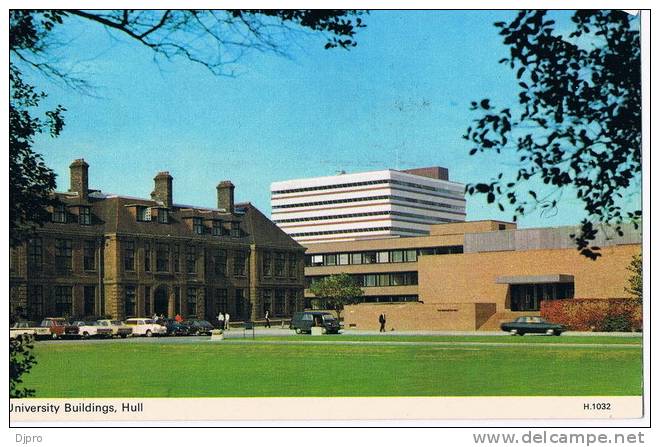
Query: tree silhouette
x=215 y=39
x=577 y=121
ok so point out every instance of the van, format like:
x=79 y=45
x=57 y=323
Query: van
x=302 y=322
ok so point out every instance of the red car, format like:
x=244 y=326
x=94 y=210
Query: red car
x=60 y=328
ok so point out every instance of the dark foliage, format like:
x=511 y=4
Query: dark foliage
x=578 y=118
x=21 y=360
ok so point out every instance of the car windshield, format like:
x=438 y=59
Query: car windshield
x=148 y=322
x=116 y=322
x=328 y=318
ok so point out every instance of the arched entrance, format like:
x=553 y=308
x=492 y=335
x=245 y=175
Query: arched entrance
x=161 y=300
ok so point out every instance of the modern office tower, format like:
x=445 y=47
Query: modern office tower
x=366 y=205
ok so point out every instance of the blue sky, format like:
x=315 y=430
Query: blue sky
x=400 y=99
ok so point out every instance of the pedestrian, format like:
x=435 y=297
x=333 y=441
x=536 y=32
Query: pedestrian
x=221 y=320
x=267 y=318
x=227 y=320
x=178 y=318
x=382 y=320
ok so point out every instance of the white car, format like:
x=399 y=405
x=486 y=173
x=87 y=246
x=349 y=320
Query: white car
x=89 y=329
x=28 y=328
x=146 y=327
x=119 y=329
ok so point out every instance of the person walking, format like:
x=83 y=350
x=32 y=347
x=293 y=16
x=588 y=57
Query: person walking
x=227 y=320
x=221 y=320
x=382 y=320
x=267 y=318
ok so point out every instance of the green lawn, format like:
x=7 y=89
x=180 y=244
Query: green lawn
x=229 y=369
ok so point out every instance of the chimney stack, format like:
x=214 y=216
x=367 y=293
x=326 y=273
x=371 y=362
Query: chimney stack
x=226 y=196
x=79 y=178
x=163 y=188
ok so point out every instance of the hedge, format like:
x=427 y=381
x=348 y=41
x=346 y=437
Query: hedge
x=593 y=314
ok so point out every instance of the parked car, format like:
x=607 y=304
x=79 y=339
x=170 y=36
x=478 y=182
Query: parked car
x=88 y=329
x=175 y=327
x=532 y=325
x=302 y=322
x=198 y=327
x=28 y=328
x=60 y=328
x=146 y=327
x=118 y=328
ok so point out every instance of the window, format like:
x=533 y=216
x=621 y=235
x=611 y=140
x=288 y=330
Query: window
x=317 y=260
x=369 y=257
x=59 y=214
x=235 y=229
x=63 y=255
x=84 y=215
x=239 y=263
x=198 y=225
x=191 y=260
x=220 y=262
x=217 y=228
x=278 y=304
x=147 y=257
x=330 y=259
x=267 y=264
x=89 y=255
x=396 y=256
x=293 y=265
x=369 y=281
x=35 y=254
x=242 y=305
x=220 y=301
x=36 y=301
x=162 y=257
x=501 y=227
x=343 y=259
x=267 y=298
x=383 y=257
x=192 y=301
x=147 y=300
x=129 y=301
x=89 y=300
x=384 y=280
x=176 y=258
x=129 y=256
x=143 y=214
x=279 y=264
x=63 y=301
x=356 y=258
x=411 y=255
x=163 y=215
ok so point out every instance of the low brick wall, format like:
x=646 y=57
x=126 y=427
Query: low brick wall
x=418 y=316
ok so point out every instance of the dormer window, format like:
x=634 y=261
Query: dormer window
x=235 y=229
x=59 y=214
x=84 y=215
x=198 y=225
x=143 y=214
x=217 y=228
x=163 y=216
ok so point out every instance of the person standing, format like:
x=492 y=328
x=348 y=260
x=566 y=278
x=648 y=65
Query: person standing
x=227 y=320
x=267 y=318
x=382 y=320
x=221 y=320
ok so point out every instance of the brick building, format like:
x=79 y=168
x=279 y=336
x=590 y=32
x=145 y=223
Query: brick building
x=124 y=256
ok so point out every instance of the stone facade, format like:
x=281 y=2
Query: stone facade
x=112 y=255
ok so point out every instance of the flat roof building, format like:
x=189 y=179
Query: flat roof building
x=366 y=205
x=471 y=275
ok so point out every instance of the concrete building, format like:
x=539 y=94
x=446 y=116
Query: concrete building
x=366 y=205
x=471 y=275
x=124 y=256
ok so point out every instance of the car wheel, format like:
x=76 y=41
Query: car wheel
x=124 y=335
x=149 y=333
x=85 y=334
x=521 y=333
x=298 y=331
x=557 y=333
x=53 y=336
x=513 y=331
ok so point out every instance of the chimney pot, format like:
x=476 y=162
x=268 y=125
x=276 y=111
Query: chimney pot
x=226 y=196
x=79 y=171
x=163 y=188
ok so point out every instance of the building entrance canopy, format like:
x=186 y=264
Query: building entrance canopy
x=535 y=279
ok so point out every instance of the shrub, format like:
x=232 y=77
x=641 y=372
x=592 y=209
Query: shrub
x=21 y=361
x=606 y=315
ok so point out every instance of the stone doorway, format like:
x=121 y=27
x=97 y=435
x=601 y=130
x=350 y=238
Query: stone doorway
x=161 y=300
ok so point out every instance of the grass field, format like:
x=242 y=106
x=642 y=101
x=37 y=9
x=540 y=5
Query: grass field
x=289 y=366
